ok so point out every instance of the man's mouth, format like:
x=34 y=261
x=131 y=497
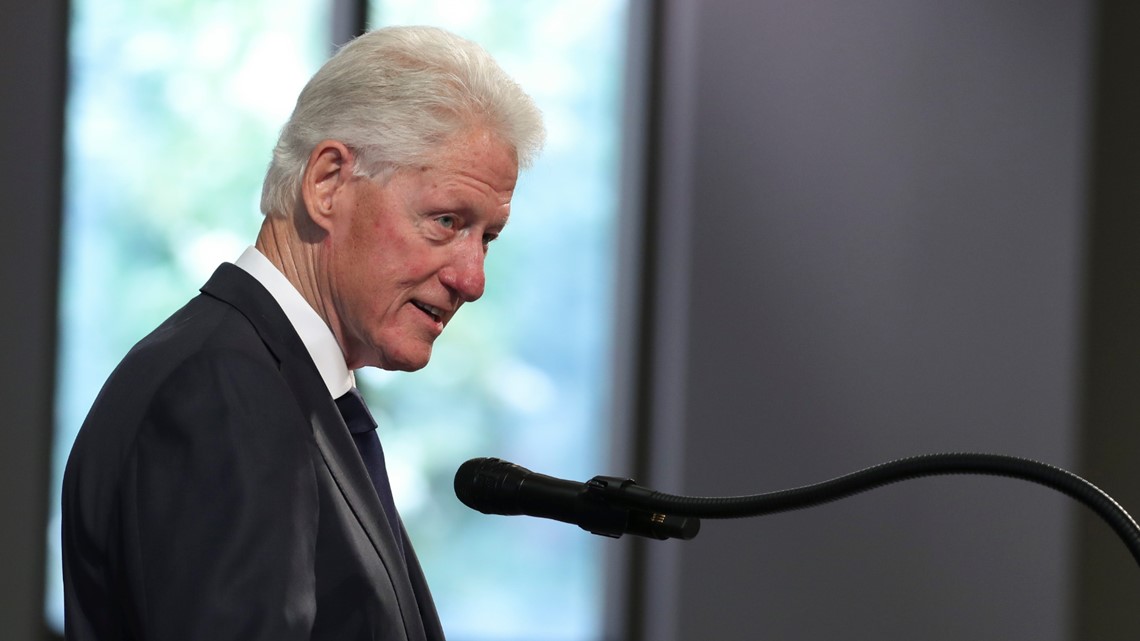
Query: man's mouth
x=435 y=312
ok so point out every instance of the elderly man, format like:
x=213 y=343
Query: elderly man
x=228 y=482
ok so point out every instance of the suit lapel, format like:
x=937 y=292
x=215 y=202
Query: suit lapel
x=234 y=286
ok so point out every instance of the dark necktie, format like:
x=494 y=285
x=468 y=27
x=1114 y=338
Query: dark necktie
x=363 y=428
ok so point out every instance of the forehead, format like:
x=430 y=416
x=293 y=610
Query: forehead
x=476 y=158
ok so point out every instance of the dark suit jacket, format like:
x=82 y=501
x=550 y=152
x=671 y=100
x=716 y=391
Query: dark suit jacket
x=215 y=493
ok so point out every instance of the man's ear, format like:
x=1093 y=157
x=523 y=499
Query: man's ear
x=328 y=171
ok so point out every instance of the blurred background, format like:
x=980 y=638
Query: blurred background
x=768 y=243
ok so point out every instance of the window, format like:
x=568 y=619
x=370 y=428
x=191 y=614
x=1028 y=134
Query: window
x=173 y=110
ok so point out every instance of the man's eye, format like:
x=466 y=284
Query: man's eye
x=447 y=221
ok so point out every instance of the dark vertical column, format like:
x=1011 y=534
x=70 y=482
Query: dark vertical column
x=1107 y=586
x=636 y=294
x=349 y=19
x=32 y=80
x=667 y=236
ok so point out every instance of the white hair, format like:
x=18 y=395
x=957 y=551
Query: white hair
x=393 y=96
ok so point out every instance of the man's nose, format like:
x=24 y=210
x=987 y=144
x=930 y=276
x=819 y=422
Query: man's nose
x=464 y=274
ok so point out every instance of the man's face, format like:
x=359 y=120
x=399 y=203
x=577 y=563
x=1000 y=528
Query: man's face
x=404 y=255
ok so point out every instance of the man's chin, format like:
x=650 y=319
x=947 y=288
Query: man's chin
x=399 y=362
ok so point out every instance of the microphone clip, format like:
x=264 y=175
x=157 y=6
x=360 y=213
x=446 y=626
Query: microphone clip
x=606 y=512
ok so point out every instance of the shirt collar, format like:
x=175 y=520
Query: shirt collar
x=314 y=333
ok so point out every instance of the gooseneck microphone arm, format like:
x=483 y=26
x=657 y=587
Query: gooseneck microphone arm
x=624 y=494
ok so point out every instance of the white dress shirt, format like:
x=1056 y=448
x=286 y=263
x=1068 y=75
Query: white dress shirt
x=314 y=333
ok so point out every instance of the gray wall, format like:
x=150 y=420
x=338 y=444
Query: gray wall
x=872 y=245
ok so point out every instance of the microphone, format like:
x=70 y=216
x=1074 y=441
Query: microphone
x=494 y=486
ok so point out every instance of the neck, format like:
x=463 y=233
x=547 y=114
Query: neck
x=300 y=258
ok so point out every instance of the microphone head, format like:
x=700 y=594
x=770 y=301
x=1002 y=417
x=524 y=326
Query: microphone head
x=487 y=485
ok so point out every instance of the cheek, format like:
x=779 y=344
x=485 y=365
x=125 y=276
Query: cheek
x=382 y=280
x=383 y=257
x=418 y=267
